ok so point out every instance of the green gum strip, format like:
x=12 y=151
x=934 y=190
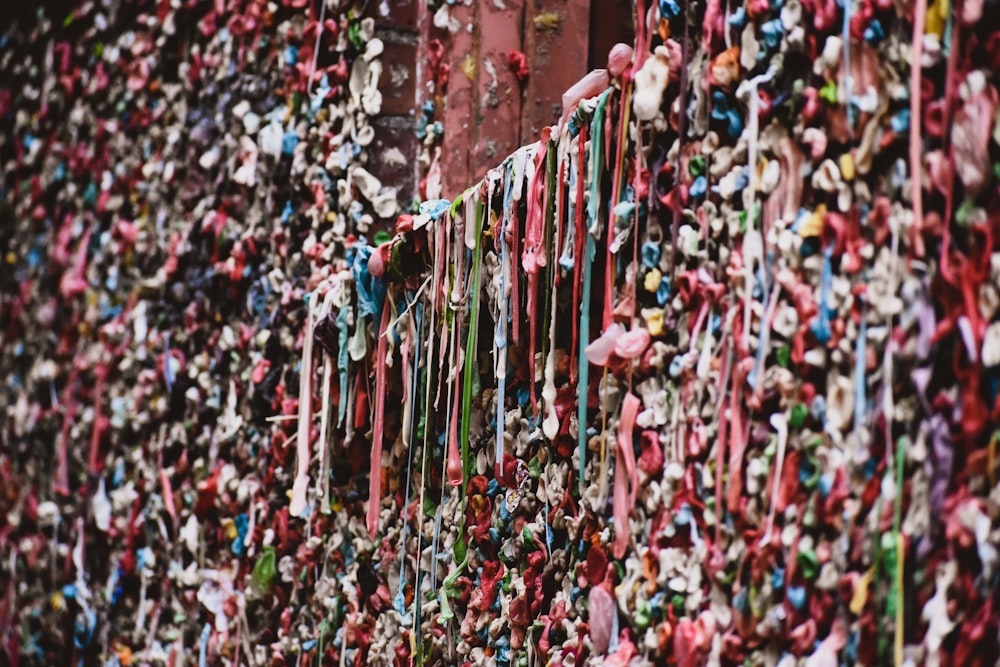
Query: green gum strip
x=897 y=597
x=469 y=364
x=596 y=138
x=879 y=558
x=448 y=587
x=458 y=202
x=597 y=158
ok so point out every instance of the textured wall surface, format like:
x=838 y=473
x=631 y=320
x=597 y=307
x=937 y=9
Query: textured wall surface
x=704 y=373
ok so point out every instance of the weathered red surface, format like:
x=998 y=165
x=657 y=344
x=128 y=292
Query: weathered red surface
x=498 y=104
x=486 y=111
x=402 y=14
x=458 y=116
x=556 y=41
x=399 y=75
x=394 y=154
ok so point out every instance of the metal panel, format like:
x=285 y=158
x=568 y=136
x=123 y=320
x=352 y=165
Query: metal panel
x=498 y=111
x=459 y=118
x=556 y=41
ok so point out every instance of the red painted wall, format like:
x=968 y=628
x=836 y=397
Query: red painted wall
x=486 y=111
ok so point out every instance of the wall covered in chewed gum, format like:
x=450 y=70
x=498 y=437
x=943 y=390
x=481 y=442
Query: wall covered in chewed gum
x=705 y=373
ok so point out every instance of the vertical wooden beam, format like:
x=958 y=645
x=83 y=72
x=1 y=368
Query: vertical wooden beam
x=556 y=41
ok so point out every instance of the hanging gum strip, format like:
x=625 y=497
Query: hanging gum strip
x=736 y=443
x=944 y=265
x=515 y=244
x=916 y=170
x=626 y=477
x=300 y=486
x=501 y=333
x=610 y=270
x=723 y=420
x=580 y=241
x=324 y=432
x=443 y=308
x=546 y=322
x=60 y=482
x=375 y=481
x=583 y=384
x=95 y=464
x=681 y=132
x=470 y=361
x=550 y=425
x=533 y=235
x=454 y=463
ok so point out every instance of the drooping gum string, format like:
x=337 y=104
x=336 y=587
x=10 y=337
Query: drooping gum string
x=561 y=210
x=635 y=224
x=442 y=303
x=404 y=349
x=455 y=468
x=378 y=425
x=916 y=171
x=550 y=424
x=515 y=303
x=533 y=237
x=596 y=163
x=457 y=286
x=750 y=205
x=780 y=424
x=860 y=363
x=471 y=349
x=736 y=444
x=580 y=242
x=952 y=70
x=681 y=134
x=501 y=329
x=888 y=402
x=603 y=470
x=60 y=483
x=425 y=457
x=626 y=477
x=409 y=304
x=610 y=268
x=764 y=342
x=641 y=47
x=319 y=34
x=720 y=442
x=412 y=389
x=550 y=239
x=900 y=542
x=342 y=363
x=453 y=464
x=301 y=484
x=323 y=481
x=322 y=484
x=469 y=366
x=593 y=209
x=101 y=372
x=450 y=460
x=845 y=32
x=352 y=391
